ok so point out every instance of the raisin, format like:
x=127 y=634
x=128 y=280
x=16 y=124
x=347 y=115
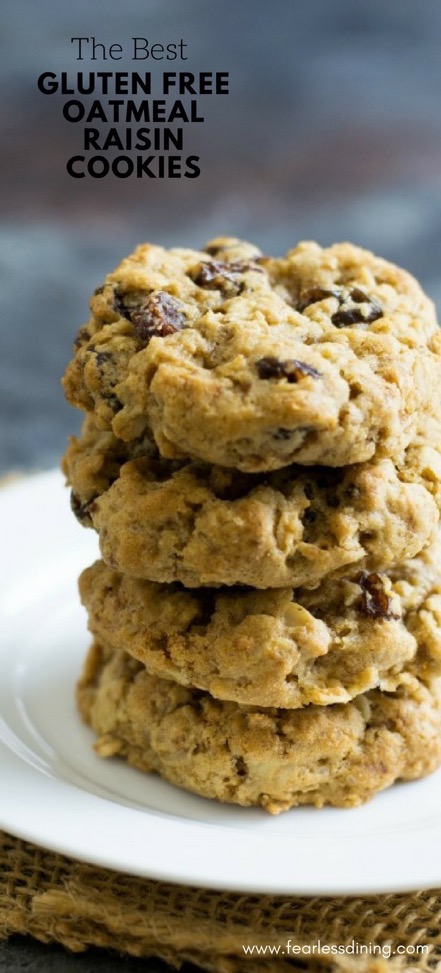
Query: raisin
x=216 y=275
x=161 y=315
x=81 y=510
x=313 y=295
x=349 y=312
x=293 y=370
x=374 y=600
x=101 y=357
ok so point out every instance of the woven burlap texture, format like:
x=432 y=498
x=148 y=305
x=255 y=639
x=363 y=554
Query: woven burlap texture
x=55 y=899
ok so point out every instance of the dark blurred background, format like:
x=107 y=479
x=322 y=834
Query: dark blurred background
x=332 y=131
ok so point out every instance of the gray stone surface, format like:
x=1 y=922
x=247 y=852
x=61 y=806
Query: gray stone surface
x=332 y=131
x=23 y=955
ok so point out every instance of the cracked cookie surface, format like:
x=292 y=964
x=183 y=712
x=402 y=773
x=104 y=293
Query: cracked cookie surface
x=168 y=521
x=340 y=755
x=277 y=647
x=325 y=356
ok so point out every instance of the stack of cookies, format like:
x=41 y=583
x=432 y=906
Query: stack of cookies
x=261 y=458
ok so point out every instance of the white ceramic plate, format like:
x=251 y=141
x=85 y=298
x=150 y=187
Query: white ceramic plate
x=55 y=791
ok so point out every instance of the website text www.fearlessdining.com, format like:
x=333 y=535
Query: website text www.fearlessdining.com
x=354 y=948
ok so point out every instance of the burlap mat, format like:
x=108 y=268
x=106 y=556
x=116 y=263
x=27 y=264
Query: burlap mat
x=59 y=900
